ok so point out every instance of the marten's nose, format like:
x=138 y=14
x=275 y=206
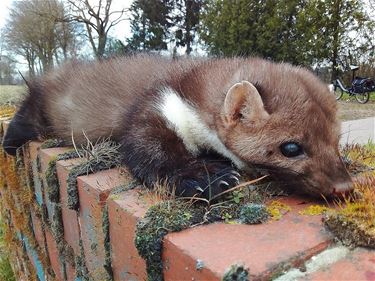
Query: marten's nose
x=342 y=188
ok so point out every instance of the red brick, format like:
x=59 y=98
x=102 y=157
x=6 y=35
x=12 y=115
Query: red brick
x=69 y=217
x=46 y=155
x=358 y=265
x=263 y=248
x=38 y=188
x=34 y=147
x=38 y=230
x=17 y=264
x=124 y=211
x=93 y=191
x=53 y=254
x=70 y=272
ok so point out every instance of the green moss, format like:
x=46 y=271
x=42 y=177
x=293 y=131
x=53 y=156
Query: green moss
x=71 y=154
x=6 y=272
x=102 y=156
x=349 y=232
x=72 y=189
x=52 y=182
x=38 y=163
x=81 y=269
x=253 y=213
x=160 y=219
x=125 y=187
x=44 y=214
x=176 y=215
x=107 y=245
x=236 y=273
x=57 y=226
x=52 y=143
x=227 y=212
x=53 y=186
x=19 y=158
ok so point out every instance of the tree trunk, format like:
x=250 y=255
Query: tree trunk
x=336 y=39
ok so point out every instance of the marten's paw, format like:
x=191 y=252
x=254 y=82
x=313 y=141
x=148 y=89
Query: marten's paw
x=205 y=179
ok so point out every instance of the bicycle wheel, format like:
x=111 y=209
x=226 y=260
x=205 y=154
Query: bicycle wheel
x=338 y=93
x=362 y=97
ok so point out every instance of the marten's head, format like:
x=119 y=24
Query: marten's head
x=28 y=123
x=283 y=119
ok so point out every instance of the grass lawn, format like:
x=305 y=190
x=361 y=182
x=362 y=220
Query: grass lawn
x=6 y=272
x=11 y=94
x=346 y=96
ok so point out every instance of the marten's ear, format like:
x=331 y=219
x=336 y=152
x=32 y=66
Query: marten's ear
x=244 y=103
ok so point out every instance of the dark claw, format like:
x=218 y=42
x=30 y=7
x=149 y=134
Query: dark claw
x=237 y=180
x=221 y=183
x=205 y=179
x=199 y=188
x=237 y=174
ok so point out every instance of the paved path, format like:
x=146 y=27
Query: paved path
x=358 y=131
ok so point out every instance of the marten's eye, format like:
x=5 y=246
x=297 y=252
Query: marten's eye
x=291 y=149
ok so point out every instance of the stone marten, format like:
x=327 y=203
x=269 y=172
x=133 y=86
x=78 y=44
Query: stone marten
x=193 y=123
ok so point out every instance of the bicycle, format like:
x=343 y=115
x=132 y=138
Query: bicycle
x=361 y=87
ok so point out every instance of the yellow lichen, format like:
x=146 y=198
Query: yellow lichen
x=7 y=111
x=17 y=199
x=314 y=210
x=353 y=219
x=360 y=158
x=277 y=209
x=361 y=209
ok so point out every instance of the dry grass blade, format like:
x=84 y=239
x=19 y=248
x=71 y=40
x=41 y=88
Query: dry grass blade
x=238 y=187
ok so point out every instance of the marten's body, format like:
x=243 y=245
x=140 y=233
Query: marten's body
x=186 y=121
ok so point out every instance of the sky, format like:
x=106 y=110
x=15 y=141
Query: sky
x=120 y=31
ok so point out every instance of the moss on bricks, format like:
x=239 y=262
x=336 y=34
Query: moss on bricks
x=68 y=155
x=81 y=268
x=53 y=188
x=175 y=215
x=38 y=164
x=50 y=143
x=353 y=221
x=160 y=219
x=102 y=156
x=349 y=232
x=236 y=273
x=107 y=245
x=52 y=181
x=125 y=187
x=72 y=189
x=57 y=226
x=253 y=213
x=19 y=158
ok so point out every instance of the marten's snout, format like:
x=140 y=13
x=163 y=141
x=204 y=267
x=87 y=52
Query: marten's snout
x=340 y=181
x=19 y=132
x=342 y=188
x=343 y=182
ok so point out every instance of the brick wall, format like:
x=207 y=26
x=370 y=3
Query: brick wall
x=50 y=241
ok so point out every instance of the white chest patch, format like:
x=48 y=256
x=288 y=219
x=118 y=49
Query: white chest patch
x=186 y=122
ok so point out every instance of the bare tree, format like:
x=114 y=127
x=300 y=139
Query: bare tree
x=33 y=32
x=7 y=70
x=98 y=20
